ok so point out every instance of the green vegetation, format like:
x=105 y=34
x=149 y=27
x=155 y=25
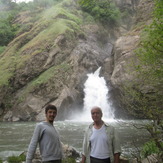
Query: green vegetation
x=8 y=65
x=21 y=158
x=50 y=73
x=16 y=159
x=45 y=3
x=2 y=49
x=150 y=148
x=144 y=96
x=37 y=32
x=102 y=10
x=7 y=31
x=69 y=160
x=60 y=72
x=8 y=12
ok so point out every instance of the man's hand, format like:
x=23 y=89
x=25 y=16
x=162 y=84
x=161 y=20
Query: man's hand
x=83 y=159
x=116 y=158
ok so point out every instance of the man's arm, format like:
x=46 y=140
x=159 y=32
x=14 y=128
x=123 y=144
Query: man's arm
x=33 y=144
x=85 y=145
x=116 y=147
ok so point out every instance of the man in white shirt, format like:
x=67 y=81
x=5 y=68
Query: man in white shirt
x=101 y=143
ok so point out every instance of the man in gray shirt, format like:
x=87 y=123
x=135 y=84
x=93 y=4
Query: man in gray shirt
x=48 y=138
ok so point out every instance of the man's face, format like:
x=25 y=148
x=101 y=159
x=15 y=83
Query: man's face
x=50 y=115
x=96 y=114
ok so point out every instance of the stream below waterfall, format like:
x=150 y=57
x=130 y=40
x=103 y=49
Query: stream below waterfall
x=15 y=136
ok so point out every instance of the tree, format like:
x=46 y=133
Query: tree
x=7 y=28
x=102 y=10
x=9 y=4
x=142 y=102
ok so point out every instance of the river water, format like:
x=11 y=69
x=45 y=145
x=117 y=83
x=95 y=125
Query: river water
x=15 y=136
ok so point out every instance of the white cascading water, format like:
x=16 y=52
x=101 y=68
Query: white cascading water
x=96 y=94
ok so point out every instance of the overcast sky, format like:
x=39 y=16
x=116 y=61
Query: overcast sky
x=23 y=0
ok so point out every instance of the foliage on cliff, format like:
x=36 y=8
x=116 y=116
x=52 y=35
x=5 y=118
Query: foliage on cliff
x=104 y=11
x=10 y=10
x=35 y=34
x=36 y=57
x=7 y=28
x=150 y=68
x=40 y=24
x=143 y=96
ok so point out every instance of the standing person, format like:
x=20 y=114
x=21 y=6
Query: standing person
x=100 y=144
x=46 y=135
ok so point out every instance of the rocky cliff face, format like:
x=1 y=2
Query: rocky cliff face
x=55 y=67
x=124 y=56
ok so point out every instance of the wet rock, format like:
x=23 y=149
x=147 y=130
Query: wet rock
x=151 y=159
x=68 y=151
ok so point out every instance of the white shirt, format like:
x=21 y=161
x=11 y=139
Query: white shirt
x=99 y=143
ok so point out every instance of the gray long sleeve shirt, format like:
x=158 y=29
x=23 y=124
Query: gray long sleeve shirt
x=49 y=143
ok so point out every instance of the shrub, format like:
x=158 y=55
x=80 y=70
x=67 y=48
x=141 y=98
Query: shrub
x=149 y=148
x=104 y=11
x=69 y=160
x=22 y=157
x=16 y=159
x=7 y=30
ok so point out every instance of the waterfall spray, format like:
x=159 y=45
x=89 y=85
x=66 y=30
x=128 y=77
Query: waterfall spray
x=96 y=94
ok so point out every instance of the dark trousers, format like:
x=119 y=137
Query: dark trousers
x=97 y=160
x=53 y=161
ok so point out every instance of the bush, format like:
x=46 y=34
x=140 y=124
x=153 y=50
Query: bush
x=16 y=159
x=149 y=148
x=7 y=30
x=22 y=157
x=104 y=11
x=69 y=160
x=149 y=74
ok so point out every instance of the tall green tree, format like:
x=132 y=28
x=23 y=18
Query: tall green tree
x=143 y=97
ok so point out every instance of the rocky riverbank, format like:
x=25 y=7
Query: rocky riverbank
x=71 y=155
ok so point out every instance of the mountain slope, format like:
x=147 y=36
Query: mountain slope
x=53 y=52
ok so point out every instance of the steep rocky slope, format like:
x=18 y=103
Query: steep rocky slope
x=50 y=58
x=125 y=61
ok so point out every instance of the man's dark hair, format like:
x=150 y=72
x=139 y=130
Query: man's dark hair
x=50 y=106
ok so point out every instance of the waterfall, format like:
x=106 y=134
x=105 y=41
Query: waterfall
x=96 y=94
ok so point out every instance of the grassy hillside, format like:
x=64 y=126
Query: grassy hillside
x=37 y=34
